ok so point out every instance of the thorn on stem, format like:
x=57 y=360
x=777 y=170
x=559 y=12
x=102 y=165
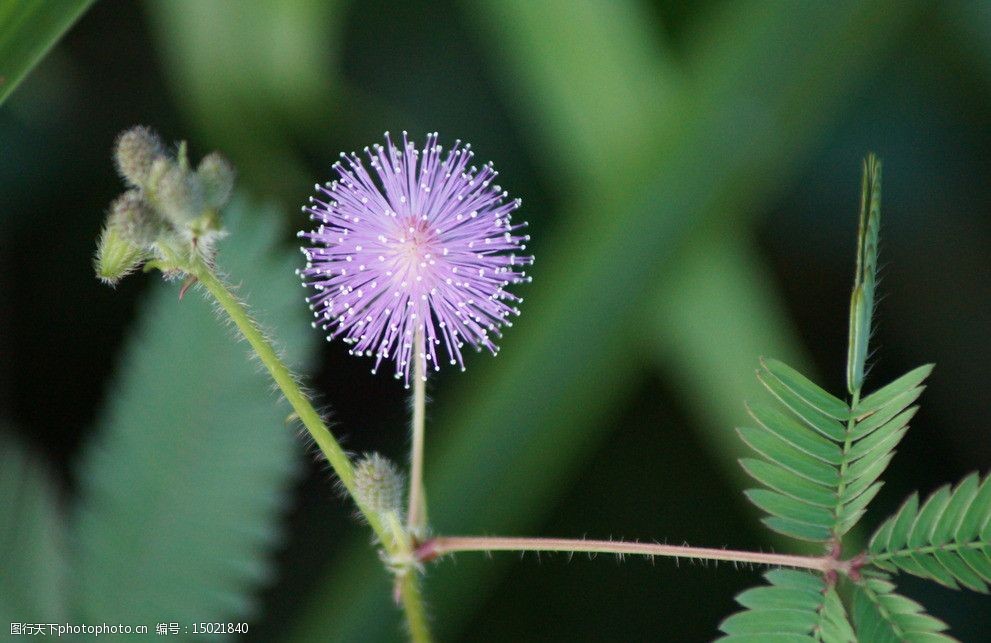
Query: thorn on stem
x=397 y=590
x=186 y=285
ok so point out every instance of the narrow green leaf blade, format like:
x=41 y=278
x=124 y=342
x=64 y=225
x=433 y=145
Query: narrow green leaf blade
x=182 y=491
x=780 y=598
x=788 y=483
x=890 y=415
x=878 y=443
x=891 y=392
x=977 y=514
x=853 y=510
x=782 y=453
x=862 y=475
x=806 y=389
x=781 y=505
x=770 y=621
x=960 y=502
x=28 y=29
x=928 y=516
x=814 y=418
x=978 y=561
x=898 y=537
x=834 y=624
x=794 y=579
x=798 y=529
x=795 y=433
x=959 y=570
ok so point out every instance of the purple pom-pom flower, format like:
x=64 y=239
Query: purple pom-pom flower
x=426 y=250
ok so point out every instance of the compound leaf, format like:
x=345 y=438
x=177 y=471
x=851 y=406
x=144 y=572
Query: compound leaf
x=882 y=616
x=947 y=539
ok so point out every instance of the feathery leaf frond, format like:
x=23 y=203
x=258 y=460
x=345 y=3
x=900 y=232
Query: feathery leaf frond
x=181 y=493
x=796 y=607
x=882 y=616
x=947 y=539
x=821 y=459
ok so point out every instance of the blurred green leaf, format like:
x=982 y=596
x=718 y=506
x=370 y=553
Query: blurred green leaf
x=28 y=29
x=183 y=489
x=769 y=79
x=719 y=277
x=712 y=320
x=589 y=89
x=32 y=555
x=252 y=73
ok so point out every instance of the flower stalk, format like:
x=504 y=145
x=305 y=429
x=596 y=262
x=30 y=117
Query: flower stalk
x=416 y=513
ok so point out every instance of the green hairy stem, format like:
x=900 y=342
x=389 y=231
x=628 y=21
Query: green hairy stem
x=412 y=602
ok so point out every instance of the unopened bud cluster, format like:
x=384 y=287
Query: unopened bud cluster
x=170 y=211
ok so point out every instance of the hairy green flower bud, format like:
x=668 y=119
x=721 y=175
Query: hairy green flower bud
x=135 y=220
x=135 y=152
x=378 y=484
x=178 y=195
x=217 y=176
x=116 y=257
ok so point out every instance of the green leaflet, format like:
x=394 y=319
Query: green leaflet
x=822 y=473
x=182 y=490
x=947 y=539
x=887 y=394
x=882 y=616
x=862 y=299
x=796 y=606
x=30 y=29
x=811 y=394
x=834 y=624
x=32 y=556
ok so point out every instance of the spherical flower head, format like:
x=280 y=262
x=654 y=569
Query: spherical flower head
x=422 y=246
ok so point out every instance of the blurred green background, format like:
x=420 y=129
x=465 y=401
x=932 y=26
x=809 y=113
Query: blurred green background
x=690 y=172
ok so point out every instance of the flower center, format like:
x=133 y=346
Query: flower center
x=415 y=248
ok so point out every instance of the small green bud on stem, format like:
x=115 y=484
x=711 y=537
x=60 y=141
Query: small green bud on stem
x=179 y=196
x=135 y=152
x=134 y=220
x=379 y=485
x=217 y=176
x=116 y=257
